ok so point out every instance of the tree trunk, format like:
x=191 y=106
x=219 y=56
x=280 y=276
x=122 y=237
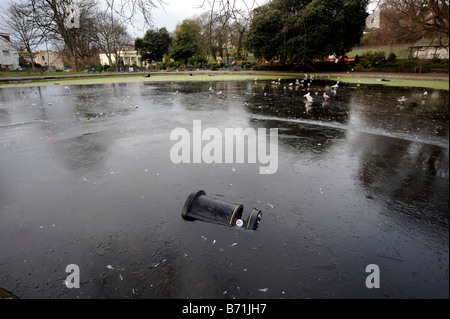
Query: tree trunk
x=109 y=59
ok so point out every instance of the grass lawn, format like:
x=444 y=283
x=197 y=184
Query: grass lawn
x=400 y=52
x=184 y=77
x=438 y=85
x=26 y=73
x=237 y=76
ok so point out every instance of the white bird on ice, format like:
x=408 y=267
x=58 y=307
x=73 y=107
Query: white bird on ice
x=308 y=97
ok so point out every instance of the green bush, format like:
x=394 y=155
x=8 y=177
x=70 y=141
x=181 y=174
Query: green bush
x=246 y=65
x=198 y=61
x=214 y=66
x=160 y=65
x=176 y=64
x=392 y=57
x=370 y=60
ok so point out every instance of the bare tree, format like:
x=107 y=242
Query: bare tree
x=413 y=19
x=230 y=9
x=224 y=24
x=70 y=21
x=18 y=21
x=131 y=10
x=111 y=35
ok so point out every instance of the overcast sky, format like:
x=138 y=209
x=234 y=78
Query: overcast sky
x=175 y=11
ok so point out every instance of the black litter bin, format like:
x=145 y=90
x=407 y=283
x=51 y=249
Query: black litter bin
x=253 y=220
x=200 y=207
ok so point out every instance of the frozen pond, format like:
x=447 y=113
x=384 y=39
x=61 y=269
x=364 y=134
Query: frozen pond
x=86 y=178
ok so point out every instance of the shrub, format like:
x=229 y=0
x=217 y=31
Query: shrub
x=246 y=65
x=214 y=66
x=160 y=66
x=176 y=64
x=370 y=60
x=392 y=57
x=198 y=61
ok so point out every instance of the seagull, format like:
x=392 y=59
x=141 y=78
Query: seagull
x=425 y=93
x=402 y=99
x=307 y=107
x=308 y=97
x=297 y=82
x=67 y=88
x=219 y=95
x=334 y=87
x=211 y=90
x=325 y=96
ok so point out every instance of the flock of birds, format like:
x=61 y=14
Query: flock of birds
x=306 y=82
x=218 y=93
x=309 y=99
x=413 y=104
x=299 y=83
x=403 y=98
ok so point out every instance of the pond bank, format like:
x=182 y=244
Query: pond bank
x=435 y=81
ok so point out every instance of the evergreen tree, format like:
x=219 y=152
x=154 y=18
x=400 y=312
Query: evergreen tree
x=296 y=30
x=187 y=41
x=154 y=45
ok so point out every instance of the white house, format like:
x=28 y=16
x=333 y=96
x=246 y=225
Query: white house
x=9 y=56
x=427 y=52
x=50 y=59
x=373 y=20
x=127 y=56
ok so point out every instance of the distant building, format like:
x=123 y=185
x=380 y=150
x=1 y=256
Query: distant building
x=126 y=56
x=426 y=49
x=9 y=56
x=50 y=59
x=25 y=57
x=373 y=20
